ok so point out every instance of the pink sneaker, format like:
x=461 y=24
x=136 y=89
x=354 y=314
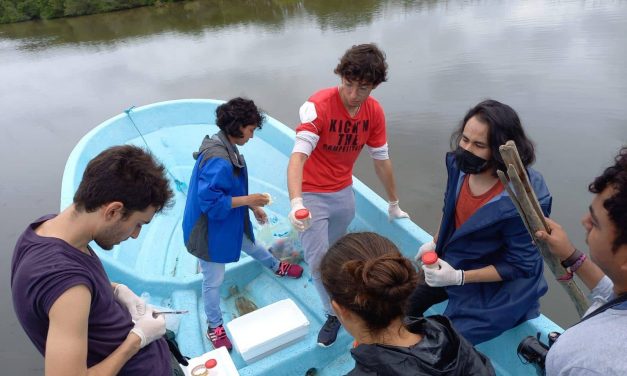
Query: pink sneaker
x=290 y=270
x=218 y=337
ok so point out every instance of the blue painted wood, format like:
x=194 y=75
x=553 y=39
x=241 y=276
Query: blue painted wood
x=158 y=263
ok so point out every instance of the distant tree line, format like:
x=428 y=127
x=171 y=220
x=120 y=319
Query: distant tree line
x=24 y=10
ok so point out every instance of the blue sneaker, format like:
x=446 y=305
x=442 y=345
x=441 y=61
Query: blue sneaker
x=328 y=332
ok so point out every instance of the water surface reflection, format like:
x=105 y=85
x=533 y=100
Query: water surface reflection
x=559 y=64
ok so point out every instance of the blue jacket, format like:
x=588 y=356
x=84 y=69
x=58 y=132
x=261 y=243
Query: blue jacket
x=212 y=229
x=494 y=235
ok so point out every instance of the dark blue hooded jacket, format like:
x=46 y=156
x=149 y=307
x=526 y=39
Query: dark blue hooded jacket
x=494 y=235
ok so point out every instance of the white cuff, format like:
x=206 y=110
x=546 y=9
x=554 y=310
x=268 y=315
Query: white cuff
x=602 y=293
x=296 y=201
x=305 y=142
x=380 y=153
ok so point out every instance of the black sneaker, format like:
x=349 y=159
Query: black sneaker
x=328 y=332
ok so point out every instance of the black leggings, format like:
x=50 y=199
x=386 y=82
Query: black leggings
x=175 y=366
x=423 y=298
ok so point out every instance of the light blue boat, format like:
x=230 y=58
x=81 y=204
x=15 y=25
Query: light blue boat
x=158 y=263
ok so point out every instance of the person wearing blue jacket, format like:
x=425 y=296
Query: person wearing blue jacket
x=216 y=224
x=490 y=271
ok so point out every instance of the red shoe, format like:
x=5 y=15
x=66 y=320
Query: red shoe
x=218 y=337
x=290 y=270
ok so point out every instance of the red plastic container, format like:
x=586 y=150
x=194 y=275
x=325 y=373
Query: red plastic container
x=430 y=260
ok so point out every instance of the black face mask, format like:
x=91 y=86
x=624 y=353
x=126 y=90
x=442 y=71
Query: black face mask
x=470 y=163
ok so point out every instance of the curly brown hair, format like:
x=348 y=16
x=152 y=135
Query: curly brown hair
x=237 y=113
x=127 y=174
x=616 y=177
x=363 y=63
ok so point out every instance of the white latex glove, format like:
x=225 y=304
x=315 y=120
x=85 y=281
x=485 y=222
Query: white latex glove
x=149 y=328
x=135 y=305
x=445 y=276
x=297 y=204
x=395 y=212
x=426 y=247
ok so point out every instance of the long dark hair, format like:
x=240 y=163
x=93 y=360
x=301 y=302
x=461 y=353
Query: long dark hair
x=504 y=124
x=366 y=273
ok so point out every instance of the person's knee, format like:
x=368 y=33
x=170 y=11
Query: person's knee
x=313 y=259
x=213 y=278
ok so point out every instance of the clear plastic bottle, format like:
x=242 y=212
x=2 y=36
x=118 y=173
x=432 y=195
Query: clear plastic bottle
x=145 y=296
x=430 y=260
x=303 y=216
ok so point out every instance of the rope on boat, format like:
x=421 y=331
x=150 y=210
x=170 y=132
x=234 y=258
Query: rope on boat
x=180 y=185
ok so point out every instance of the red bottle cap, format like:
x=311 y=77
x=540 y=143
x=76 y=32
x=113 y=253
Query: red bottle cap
x=301 y=214
x=429 y=258
x=211 y=363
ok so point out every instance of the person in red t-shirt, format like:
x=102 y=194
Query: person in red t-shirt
x=336 y=123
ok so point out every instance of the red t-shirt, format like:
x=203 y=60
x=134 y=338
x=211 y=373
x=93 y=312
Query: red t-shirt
x=329 y=168
x=467 y=204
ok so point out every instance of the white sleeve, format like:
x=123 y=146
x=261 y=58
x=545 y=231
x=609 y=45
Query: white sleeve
x=380 y=153
x=307 y=113
x=602 y=293
x=305 y=142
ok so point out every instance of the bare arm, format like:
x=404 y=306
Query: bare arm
x=66 y=343
x=590 y=273
x=383 y=168
x=295 y=174
x=252 y=200
x=485 y=274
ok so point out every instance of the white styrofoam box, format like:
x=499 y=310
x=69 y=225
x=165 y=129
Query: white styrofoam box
x=268 y=329
x=225 y=365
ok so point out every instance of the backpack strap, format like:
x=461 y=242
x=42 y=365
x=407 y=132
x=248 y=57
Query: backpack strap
x=618 y=301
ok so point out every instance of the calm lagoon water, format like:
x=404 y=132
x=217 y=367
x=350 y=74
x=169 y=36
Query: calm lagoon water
x=560 y=64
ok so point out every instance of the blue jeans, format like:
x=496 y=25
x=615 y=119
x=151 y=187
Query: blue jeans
x=213 y=276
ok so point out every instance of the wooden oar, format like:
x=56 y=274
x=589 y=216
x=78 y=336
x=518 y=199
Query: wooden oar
x=526 y=202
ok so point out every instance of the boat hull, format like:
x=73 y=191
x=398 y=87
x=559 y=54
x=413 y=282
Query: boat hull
x=157 y=262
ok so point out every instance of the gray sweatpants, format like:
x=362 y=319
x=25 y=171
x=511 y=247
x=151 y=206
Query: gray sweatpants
x=331 y=213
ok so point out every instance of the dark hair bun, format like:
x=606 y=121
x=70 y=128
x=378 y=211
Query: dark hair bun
x=367 y=274
x=389 y=278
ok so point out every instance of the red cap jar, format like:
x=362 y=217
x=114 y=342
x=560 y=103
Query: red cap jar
x=301 y=214
x=430 y=260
